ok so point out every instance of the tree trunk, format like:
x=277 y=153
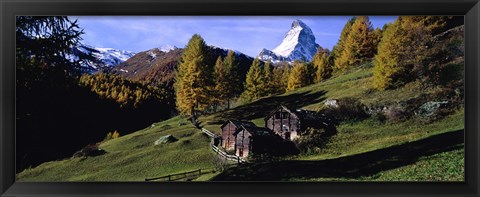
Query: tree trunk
x=192 y=111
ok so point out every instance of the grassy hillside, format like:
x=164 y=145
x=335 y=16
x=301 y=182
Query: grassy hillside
x=445 y=166
x=133 y=157
x=355 y=83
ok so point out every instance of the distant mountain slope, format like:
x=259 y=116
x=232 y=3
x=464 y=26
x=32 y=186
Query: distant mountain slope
x=152 y=66
x=156 y=66
x=298 y=44
x=97 y=58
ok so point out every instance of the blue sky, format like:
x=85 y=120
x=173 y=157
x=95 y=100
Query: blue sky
x=247 y=34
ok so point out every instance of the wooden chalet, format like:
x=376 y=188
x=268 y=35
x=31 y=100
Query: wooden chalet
x=282 y=126
x=228 y=130
x=290 y=124
x=252 y=139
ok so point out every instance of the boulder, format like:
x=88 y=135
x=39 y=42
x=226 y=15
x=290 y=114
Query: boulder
x=331 y=103
x=430 y=109
x=165 y=139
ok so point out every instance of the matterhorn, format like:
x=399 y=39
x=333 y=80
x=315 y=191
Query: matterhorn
x=298 y=44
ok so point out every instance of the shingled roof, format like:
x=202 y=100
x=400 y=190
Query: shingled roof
x=306 y=116
x=255 y=131
x=239 y=123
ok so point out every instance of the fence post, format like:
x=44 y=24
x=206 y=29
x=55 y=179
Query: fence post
x=169 y=177
x=199 y=172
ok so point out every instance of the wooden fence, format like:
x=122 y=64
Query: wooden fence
x=212 y=135
x=226 y=155
x=197 y=173
x=175 y=177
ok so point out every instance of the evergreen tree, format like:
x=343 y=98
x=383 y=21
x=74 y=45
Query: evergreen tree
x=331 y=57
x=234 y=82
x=343 y=36
x=227 y=79
x=299 y=76
x=435 y=24
x=323 y=68
x=192 y=78
x=311 y=72
x=362 y=33
x=45 y=42
x=279 y=80
x=268 y=78
x=375 y=37
x=254 y=83
x=286 y=76
x=358 y=46
x=402 y=47
x=221 y=81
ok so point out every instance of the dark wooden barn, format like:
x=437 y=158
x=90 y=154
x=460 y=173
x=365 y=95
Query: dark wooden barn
x=228 y=130
x=254 y=139
x=290 y=124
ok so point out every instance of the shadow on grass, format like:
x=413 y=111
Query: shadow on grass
x=262 y=107
x=354 y=166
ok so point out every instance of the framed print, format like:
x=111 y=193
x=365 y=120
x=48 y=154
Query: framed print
x=257 y=98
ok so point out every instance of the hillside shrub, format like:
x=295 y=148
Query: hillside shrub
x=347 y=109
x=89 y=150
x=395 y=114
x=262 y=158
x=220 y=164
x=452 y=93
x=111 y=135
x=312 y=140
x=230 y=151
x=379 y=117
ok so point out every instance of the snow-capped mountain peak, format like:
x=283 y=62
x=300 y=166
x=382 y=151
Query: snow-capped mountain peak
x=299 y=23
x=112 y=56
x=166 y=48
x=298 y=44
x=96 y=58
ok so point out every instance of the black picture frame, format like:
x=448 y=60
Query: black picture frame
x=9 y=9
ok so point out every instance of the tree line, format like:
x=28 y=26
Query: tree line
x=125 y=92
x=199 y=86
x=59 y=111
x=401 y=51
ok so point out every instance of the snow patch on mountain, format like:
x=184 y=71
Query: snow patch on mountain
x=112 y=57
x=152 y=54
x=96 y=58
x=167 y=48
x=298 y=44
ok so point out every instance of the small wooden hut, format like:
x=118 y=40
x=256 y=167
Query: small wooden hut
x=290 y=124
x=228 y=130
x=254 y=139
